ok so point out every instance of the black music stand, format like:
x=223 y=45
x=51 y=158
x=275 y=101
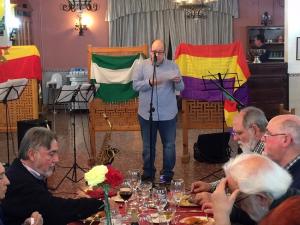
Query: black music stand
x=9 y=91
x=74 y=94
x=221 y=83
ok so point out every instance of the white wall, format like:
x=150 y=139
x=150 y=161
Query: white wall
x=292 y=31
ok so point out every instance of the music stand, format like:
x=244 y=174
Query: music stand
x=81 y=93
x=9 y=91
x=220 y=82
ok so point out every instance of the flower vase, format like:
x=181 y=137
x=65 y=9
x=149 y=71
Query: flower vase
x=106 y=204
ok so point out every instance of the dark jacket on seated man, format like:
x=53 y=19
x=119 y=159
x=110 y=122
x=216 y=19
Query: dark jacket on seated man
x=26 y=194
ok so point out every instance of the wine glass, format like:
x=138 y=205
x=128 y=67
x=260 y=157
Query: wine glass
x=177 y=190
x=145 y=190
x=160 y=199
x=135 y=179
x=125 y=193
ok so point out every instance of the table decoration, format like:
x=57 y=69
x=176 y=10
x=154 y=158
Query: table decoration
x=104 y=177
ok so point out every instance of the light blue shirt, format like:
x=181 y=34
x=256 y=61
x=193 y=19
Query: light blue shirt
x=164 y=94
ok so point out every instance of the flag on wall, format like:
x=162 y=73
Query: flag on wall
x=114 y=74
x=199 y=64
x=21 y=62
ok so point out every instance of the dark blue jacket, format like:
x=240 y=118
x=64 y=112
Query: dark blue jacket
x=294 y=170
x=26 y=194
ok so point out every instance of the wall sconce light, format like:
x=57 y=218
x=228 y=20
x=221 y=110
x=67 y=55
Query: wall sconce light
x=80 y=24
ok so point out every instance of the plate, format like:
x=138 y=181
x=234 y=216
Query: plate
x=156 y=218
x=94 y=218
x=185 y=202
x=197 y=220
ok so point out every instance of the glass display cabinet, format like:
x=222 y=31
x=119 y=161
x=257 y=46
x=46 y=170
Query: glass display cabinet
x=274 y=40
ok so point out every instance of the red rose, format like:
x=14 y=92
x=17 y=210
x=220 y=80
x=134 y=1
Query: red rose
x=113 y=177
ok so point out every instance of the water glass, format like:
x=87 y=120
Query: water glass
x=160 y=198
x=177 y=190
x=145 y=191
x=135 y=178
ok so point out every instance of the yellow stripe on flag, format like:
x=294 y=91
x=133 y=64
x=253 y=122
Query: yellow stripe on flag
x=15 y=52
x=229 y=117
x=199 y=67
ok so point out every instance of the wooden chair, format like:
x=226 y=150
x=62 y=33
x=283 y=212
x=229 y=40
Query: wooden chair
x=123 y=116
x=283 y=111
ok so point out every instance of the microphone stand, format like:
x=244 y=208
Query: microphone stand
x=151 y=110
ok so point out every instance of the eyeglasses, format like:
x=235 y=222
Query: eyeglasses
x=269 y=134
x=236 y=133
x=158 y=52
x=241 y=197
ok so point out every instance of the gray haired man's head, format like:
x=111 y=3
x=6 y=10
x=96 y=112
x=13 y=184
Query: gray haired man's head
x=34 y=138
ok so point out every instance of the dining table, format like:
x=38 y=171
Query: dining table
x=181 y=213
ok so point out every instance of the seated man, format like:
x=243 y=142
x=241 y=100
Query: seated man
x=256 y=191
x=35 y=219
x=282 y=144
x=28 y=192
x=248 y=128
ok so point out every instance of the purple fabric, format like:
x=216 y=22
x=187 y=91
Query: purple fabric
x=204 y=89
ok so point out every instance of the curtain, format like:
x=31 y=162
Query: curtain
x=138 y=22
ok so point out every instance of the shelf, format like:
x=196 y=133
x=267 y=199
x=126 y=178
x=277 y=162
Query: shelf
x=274 y=37
x=275 y=43
x=276 y=58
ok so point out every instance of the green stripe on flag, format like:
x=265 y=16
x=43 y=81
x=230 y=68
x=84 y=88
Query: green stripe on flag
x=114 y=62
x=116 y=92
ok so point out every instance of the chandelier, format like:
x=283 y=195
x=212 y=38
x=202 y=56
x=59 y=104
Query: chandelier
x=195 y=8
x=79 y=5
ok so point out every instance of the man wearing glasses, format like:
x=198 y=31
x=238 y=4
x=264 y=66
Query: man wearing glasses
x=249 y=127
x=282 y=144
x=158 y=79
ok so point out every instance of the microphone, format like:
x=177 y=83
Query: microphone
x=154 y=57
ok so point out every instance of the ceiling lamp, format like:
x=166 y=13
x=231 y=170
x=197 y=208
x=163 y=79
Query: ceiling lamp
x=78 y=5
x=195 y=8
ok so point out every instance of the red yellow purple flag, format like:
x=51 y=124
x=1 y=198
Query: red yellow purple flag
x=201 y=65
x=21 y=62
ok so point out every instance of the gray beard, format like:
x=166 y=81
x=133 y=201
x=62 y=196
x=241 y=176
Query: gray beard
x=248 y=147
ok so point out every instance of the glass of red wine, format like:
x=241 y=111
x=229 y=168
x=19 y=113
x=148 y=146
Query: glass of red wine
x=125 y=192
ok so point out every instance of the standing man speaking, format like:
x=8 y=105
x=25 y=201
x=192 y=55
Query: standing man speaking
x=164 y=77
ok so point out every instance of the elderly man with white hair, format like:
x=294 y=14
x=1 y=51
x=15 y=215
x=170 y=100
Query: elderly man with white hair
x=254 y=190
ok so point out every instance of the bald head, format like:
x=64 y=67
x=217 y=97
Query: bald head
x=157 y=49
x=282 y=139
x=289 y=124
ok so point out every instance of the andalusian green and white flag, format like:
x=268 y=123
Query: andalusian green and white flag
x=114 y=74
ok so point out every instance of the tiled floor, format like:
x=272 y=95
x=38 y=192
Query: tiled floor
x=130 y=146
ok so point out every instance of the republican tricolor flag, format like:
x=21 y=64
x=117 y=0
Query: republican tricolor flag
x=114 y=74
x=199 y=64
x=20 y=62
